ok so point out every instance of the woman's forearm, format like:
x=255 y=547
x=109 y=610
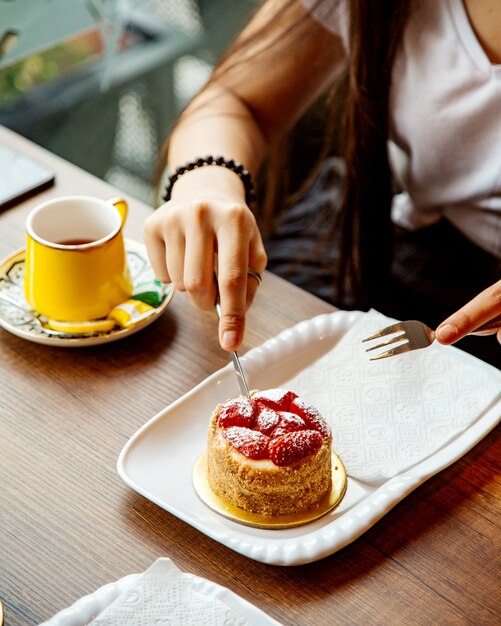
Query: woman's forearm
x=216 y=123
x=257 y=93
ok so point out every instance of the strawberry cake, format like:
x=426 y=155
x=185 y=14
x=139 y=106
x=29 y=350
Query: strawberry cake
x=269 y=454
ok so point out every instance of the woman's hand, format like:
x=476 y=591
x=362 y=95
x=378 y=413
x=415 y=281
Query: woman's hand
x=483 y=308
x=256 y=93
x=183 y=238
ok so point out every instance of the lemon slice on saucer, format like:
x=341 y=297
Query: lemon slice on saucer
x=94 y=326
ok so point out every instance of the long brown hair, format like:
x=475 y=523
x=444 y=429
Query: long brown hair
x=376 y=28
x=364 y=221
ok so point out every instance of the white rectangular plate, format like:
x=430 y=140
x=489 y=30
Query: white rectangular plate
x=158 y=460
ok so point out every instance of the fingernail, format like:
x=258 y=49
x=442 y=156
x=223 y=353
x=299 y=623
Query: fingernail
x=229 y=339
x=446 y=333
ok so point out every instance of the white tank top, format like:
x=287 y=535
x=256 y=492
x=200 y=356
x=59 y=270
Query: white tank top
x=445 y=121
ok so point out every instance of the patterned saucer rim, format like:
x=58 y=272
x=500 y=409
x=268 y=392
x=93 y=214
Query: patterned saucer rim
x=135 y=251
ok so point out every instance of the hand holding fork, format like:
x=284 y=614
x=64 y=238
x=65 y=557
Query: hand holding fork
x=480 y=316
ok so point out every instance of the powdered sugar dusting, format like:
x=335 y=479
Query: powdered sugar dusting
x=294 y=446
x=289 y=422
x=266 y=420
x=259 y=429
x=310 y=415
x=251 y=443
x=244 y=406
x=275 y=398
x=236 y=412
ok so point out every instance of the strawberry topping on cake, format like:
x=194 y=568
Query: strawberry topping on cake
x=236 y=412
x=310 y=415
x=273 y=424
x=251 y=443
x=278 y=399
x=289 y=422
x=266 y=420
x=294 y=446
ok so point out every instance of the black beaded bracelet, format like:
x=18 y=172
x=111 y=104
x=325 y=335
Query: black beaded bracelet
x=238 y=168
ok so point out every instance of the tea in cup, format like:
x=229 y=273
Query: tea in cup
x=76 y=264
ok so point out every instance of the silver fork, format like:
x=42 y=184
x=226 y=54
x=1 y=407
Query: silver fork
x=415 y=335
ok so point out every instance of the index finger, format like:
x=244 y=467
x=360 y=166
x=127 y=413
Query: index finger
x=233 y=261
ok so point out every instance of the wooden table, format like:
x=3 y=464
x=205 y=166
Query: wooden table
x=68 y=524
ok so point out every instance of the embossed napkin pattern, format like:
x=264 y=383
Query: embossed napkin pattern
x=390 y=414
x=164 y=596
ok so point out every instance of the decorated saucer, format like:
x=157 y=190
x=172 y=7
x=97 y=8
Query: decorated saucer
x=23 y=325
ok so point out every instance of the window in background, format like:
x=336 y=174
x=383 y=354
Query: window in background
x=104 y=92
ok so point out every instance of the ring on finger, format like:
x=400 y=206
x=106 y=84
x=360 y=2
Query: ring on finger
x=256 y=275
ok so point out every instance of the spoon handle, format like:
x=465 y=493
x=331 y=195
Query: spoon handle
x=43 y=326
x=19 y=306
x=242 y=382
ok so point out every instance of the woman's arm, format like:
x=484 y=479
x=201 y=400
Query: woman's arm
x=257 y=93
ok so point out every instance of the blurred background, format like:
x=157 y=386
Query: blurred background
x=100 y=82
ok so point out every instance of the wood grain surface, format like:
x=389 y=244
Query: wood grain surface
x=69 y=525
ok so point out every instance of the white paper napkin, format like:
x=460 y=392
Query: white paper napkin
x=390 y=414
x=165 y=596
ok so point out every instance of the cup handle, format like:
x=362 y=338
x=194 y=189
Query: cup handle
x=121 y=206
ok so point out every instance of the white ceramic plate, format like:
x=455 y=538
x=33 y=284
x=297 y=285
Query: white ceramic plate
x=22 y=325
x=84 y=610
x=158 y=460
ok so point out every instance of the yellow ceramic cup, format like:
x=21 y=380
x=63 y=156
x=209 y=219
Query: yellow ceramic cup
x=76 y=266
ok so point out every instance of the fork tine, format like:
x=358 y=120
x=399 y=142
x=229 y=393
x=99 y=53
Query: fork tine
x=398 y=350
x=396 y=339
x=385 y=331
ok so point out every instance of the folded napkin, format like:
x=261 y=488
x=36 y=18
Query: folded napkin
x=164 y=595
x=390 y=414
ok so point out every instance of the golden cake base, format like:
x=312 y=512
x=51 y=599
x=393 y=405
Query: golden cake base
x=236 y=514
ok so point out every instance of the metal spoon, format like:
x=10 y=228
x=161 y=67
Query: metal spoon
x=43 y=325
